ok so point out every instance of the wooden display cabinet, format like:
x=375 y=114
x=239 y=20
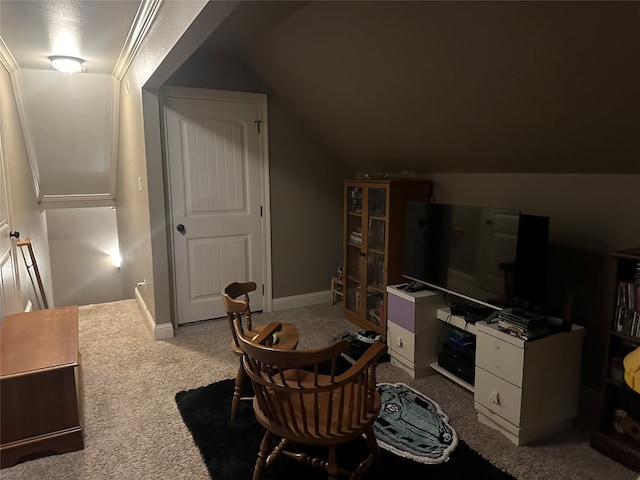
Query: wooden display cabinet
x=373 y=254
x=617 y=437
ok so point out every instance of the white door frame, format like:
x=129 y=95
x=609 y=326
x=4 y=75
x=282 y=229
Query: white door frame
x=5 y=190
x=260 y=100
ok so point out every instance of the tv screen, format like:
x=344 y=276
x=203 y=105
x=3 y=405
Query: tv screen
x=492 y=256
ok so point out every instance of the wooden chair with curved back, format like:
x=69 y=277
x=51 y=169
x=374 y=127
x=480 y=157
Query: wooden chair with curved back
x=302 y=398
x=236 y=301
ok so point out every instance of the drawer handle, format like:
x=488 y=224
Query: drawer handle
x=399 y=342
x=495 y=398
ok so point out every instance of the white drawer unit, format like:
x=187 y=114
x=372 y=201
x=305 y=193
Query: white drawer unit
x=500 y=357
x=402 y=350
x=413 y=329
x=527 y=389
x=498 y=395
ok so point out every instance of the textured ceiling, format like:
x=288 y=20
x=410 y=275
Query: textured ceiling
x=94 y=30
x=68 y=119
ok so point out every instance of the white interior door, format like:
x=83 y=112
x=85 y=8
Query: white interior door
x=215 y=157
x=9 y=302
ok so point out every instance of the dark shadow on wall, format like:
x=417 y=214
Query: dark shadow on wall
x=588 y=278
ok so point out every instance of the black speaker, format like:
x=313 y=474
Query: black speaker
x=530 y=273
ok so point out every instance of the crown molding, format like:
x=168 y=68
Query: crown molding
x=142 y=22
x=115 y=122
x=6 y=58
x=18 y=90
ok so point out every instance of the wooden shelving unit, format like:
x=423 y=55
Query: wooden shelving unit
x=373 y=253
x=624 y=337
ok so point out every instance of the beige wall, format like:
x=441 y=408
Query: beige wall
x=71 y=122
x=306 y=207
x=591 y=212
x=81 y=241
x=132 y=205
x=27 y=218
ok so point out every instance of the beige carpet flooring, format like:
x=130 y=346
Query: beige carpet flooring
x=133 y=429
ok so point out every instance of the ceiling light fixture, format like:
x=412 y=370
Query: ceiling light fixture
x=66 y=64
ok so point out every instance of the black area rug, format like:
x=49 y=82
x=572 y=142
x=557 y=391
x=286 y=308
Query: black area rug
x=230 y=449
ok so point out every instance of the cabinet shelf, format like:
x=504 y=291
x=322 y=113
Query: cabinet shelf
x=613 y=382
x=617 y=447
x=452 y=377
x=374 y=289
x=626 y=338
x=445 y=315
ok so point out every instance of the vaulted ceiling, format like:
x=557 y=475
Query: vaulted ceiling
x=454 y=86
x=542 y=87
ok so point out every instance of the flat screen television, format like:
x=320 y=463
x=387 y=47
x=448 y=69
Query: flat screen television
x=490 y=256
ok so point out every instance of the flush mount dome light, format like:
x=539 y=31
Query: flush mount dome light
x=66 y=64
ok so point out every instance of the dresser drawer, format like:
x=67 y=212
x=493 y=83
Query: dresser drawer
x=401 y=312
x=498 y=396
x=501 y=358
x=401 y=341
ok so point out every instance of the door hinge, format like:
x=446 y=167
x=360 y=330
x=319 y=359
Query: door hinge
x=260 y=210
x=262 y=289
x=258 y=123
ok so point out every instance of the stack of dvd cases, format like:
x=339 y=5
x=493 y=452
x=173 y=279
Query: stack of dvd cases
x=523 y=324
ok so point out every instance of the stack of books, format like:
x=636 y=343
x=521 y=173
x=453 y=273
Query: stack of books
x=628 y=307
x=356 y=236
x=523 y=324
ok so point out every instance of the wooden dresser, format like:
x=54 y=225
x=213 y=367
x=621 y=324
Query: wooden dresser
x=40 y=407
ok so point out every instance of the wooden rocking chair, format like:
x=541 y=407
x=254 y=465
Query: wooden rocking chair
x=236 y=302
x=296 y=402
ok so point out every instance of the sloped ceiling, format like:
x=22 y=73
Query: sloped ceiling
x=69 y=120
x=454 y=86
x=541 y=87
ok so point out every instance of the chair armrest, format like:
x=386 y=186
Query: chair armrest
x=266 y=333
x=370 y=356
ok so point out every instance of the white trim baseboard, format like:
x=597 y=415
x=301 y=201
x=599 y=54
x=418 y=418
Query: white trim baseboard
x=163 y=331
x=304 y=300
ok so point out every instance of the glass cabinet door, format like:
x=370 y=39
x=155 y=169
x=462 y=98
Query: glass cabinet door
x=353 y=259
x=375 y=252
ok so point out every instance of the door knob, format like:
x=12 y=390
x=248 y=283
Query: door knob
x=15 y=235
x=181 y=228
